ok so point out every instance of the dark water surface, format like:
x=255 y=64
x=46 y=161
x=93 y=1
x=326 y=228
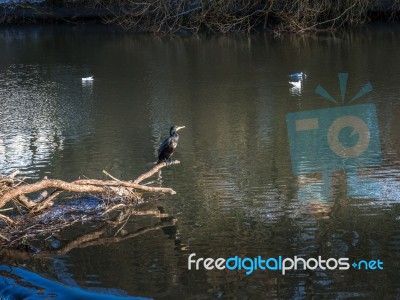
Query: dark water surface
x=236 y=192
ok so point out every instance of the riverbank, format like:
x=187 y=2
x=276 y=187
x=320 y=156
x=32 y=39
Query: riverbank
x=217 y=16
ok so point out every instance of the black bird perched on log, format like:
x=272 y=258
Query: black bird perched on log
x=167 y=147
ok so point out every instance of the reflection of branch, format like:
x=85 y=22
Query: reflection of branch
x=94 y=239
x=79 y=241
x=87 y=241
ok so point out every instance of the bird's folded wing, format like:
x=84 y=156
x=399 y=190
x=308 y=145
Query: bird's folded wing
x=163 y=145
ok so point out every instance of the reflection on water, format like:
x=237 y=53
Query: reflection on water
x=236 y=190
x=296 y=87
x=37 y=115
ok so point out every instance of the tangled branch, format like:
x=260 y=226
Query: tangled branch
x=112 y=195
x=239 y=15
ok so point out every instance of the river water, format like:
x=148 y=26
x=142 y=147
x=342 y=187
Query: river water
x=248 y=185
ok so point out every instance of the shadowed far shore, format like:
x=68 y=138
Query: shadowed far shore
x=205 y=16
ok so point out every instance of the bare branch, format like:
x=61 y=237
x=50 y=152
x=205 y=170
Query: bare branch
x=155 y=170
x=12 y=189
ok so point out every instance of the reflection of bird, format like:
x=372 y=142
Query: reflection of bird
x=296 y=84
x=87 y=78
x=167 y=147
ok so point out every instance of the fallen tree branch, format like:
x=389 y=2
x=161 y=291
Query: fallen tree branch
x=49 y=183
x=17 y=190
x=109 y=183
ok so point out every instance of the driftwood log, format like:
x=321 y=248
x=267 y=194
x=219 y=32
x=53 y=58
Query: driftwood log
x=17 y=191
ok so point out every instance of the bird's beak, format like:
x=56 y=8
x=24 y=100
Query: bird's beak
x=179 y=127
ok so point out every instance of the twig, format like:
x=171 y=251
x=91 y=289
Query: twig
x=26 y=201
x=109 y=175
x=7 y=209
x=4 y=238
x=155 y=170
x=13 y=174
x=7 y=219
x=113 y=208
x=46 y=202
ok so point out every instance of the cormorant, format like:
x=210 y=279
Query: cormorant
x=167 y=147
